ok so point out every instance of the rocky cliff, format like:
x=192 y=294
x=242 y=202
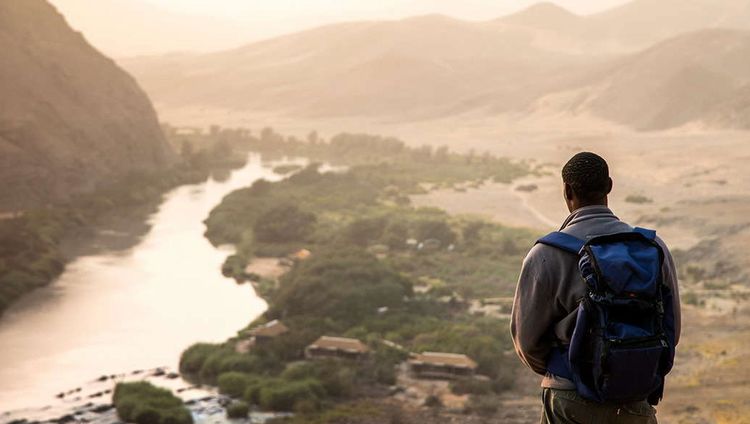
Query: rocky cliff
x=70 y=118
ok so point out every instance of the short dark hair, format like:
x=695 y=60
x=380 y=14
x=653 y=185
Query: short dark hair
x=588 y=175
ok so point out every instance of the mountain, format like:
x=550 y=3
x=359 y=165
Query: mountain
x=433 y=67
x=545 y=15
x=70 y=118
x=641 y=23
x=635 y=25
x=700 y=77
x=413 y=67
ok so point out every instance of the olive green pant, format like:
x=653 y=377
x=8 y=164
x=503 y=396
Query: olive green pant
x=568 y=407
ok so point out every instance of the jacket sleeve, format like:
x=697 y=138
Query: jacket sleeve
x=532 y=314
x=670 y=278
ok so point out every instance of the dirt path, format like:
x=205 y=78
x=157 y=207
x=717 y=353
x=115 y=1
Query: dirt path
x=502 y=203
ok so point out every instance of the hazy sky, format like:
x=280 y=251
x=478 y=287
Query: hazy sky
x=123 y=28
x=357 y=9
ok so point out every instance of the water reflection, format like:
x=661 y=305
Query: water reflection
x=137 y=309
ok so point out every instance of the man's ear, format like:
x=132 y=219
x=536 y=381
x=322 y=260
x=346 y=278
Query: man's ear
x=568 y=190
x=609 y=185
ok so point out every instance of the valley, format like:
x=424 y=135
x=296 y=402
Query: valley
x=221 y=221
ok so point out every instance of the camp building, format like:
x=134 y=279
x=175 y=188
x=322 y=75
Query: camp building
x=336 y=347
x=267 y=332
x=441 y=365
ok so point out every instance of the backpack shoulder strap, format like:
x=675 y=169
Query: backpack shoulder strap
x=649 y=234
x=563 y=241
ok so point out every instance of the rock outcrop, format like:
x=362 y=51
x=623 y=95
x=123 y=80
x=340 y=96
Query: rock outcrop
x=70 y=118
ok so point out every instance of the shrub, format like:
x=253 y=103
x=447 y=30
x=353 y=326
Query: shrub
x=238 y=410
x=241 y=363
x=254 y=387
x=433 y=401
x=176 y=416
x=144 y=403
x=365 y=231
x=483 y=405
x=146 y=415
x=284 y=223
x=234 y=266
x=306 y=407
x=638 y=199
x=691 y=298
x=211 y=367
x=435 y=229
x=194 y=357
x=226 y=360
x=284 y=396
x=232 y=383
x=344 y=286
x=336 y=378
x=471 y=386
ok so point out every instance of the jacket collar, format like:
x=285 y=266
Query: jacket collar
x=586 y=213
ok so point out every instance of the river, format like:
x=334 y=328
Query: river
x=135 y=309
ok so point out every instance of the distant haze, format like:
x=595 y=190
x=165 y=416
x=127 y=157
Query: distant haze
x=316 y=11
x=646 y=65
x=123 y=28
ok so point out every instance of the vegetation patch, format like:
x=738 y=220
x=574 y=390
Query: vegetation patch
x=286 y=169
x=144 y=403
x=638 y=199
x=238 y=410
x=364 y=264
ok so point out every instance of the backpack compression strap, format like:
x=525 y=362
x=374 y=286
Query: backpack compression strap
x=563 y=241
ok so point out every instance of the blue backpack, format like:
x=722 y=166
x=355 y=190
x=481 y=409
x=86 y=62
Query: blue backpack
x=623 y=343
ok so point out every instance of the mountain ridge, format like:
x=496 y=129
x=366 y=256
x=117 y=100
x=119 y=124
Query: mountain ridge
x=428 y=67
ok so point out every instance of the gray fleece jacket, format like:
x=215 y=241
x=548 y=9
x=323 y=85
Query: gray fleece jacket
x=550 y=286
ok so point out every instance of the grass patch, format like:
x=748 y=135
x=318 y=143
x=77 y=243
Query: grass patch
x=144 y=403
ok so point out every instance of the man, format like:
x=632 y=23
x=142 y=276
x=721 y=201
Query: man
x=550 y=288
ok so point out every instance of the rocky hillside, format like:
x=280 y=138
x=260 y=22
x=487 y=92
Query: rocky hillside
x=70 y=118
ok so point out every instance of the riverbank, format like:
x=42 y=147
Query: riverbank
x=93 y=400
x=133 y=308
x=37 y=244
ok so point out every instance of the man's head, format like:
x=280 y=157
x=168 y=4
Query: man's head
x=586 y=181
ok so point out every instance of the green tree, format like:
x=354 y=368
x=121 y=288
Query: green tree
x=435 y=229
x=472 y=232
x=343 y=286
x=395 y=235
x=366 y=231
x=284 y=223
